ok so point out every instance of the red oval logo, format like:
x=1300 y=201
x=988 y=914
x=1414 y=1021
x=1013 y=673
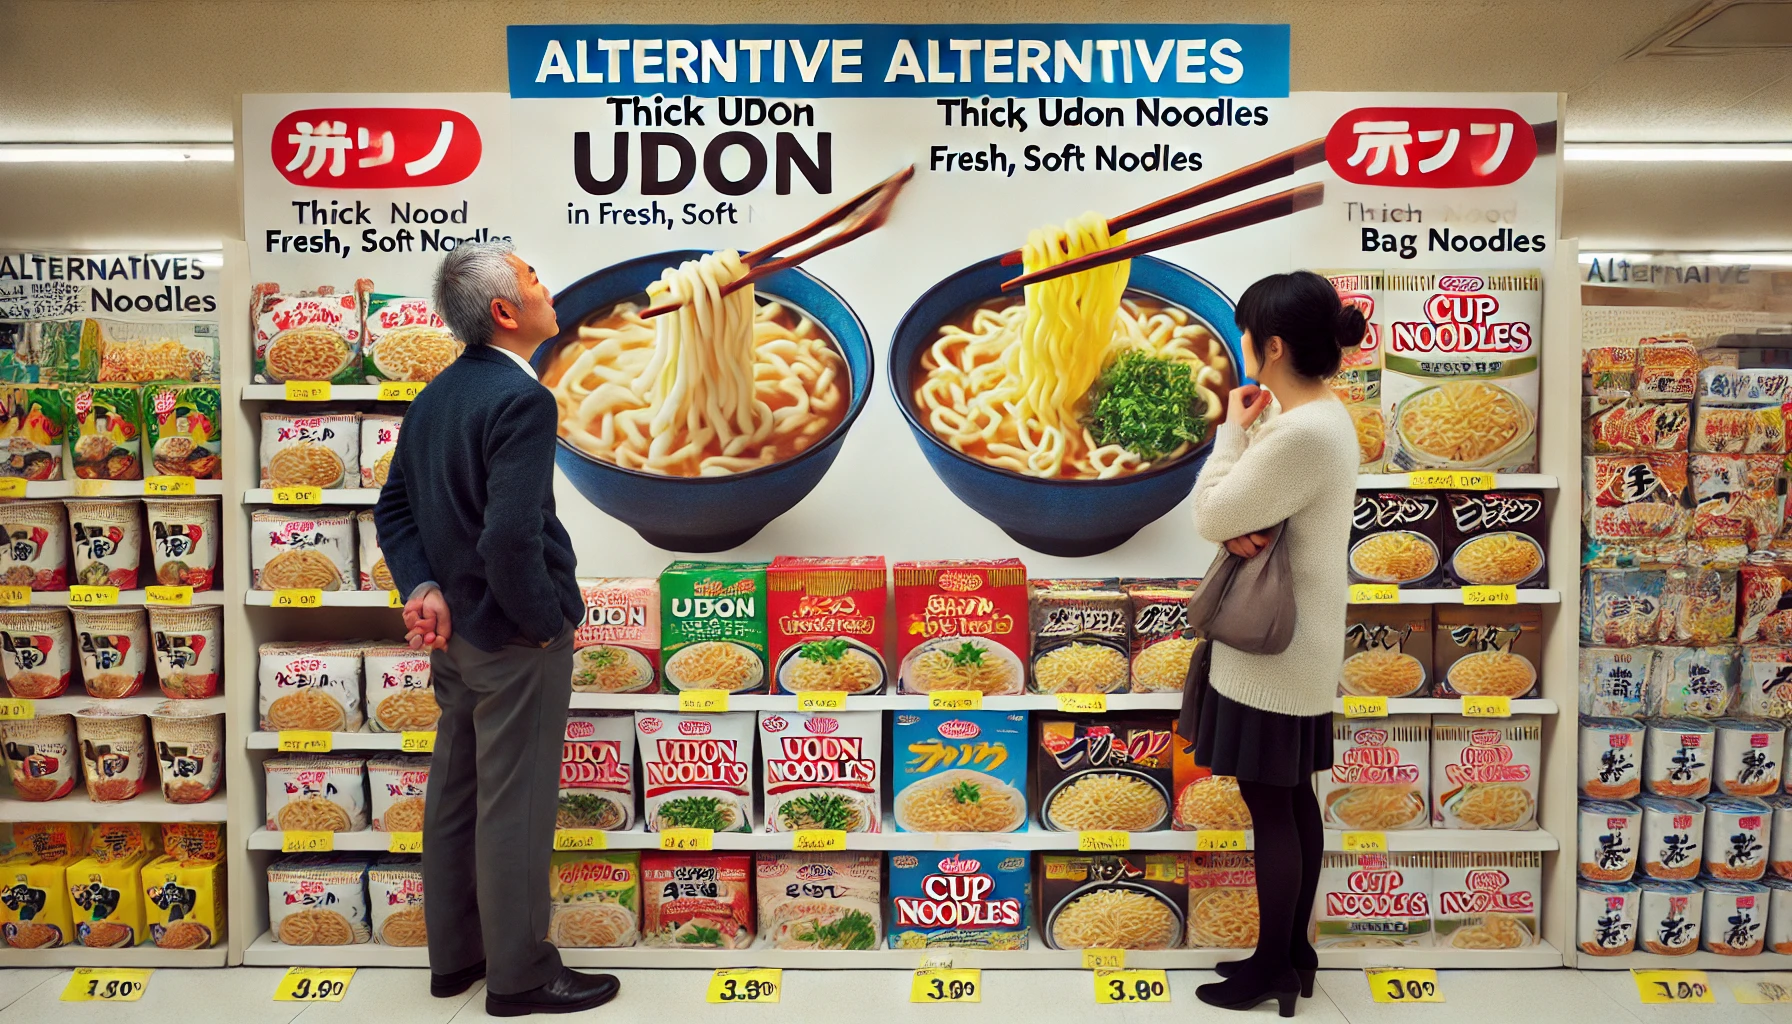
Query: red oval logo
x=959 y=729
x=375 y=147
x=1431 y=147
x=649 y=725
x=693 y=727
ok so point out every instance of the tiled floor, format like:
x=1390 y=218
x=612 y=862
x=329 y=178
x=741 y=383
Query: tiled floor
x=384 y=996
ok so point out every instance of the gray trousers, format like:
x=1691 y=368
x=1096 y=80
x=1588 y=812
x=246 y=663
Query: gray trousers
x=494 y=785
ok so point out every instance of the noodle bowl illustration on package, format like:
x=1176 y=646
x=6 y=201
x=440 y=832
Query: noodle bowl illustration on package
x=960 y=771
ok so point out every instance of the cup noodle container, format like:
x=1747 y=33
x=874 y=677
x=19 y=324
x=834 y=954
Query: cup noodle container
x=1779 y=914
x=42 y=756
x=1611 y=757
x=190 y=746
x=1606 y=924
x=183 y=541
x=1668 y=916
x=1738 y=831
x=186 y=650
x=1673 y=834
x=1608 y=833
x=39 y=647
x=1779 y=846
x=113 y=645
x=115 y=752
x=1750 y=752
x=1677 y=754
x=36 y=552
x=1735 y=918
x=107 y=539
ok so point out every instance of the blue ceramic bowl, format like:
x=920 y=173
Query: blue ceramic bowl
x=711 y=513
x=1058 y=517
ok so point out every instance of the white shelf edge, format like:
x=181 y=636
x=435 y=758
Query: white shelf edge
x=334 y=496
x=1699 y=961
x=1033 y=702
x=138 y=956
x=146 y=806
x=351 y=741
x=142 y=704
x=1501 y=481
x=108 y=488
x=126 y=598
x=1453 y=595
x=332 y=599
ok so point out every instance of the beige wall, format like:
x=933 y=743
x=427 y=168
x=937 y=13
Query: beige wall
x=128 y=70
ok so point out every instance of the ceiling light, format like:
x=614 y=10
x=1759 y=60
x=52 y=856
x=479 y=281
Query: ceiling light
x=115 y=152
x=1668 y=152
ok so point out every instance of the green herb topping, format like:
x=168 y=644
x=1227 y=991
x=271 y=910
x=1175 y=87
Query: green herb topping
x=1146 y=405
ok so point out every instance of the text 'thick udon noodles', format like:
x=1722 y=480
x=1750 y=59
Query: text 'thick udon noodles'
x=723 y=384
x=1010 y=384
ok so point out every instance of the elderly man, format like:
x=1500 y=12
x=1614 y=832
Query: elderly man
x=466 y=522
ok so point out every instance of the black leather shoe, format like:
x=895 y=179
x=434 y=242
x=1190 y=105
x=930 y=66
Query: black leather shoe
x=442 y=986
x=568 y=993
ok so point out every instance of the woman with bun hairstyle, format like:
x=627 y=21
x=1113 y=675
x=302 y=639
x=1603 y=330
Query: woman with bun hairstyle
x=1286 y=454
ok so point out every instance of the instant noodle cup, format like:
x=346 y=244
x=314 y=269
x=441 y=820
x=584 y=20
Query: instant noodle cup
x=1606 y=924
x=308 y=334
x=1608 y=833
x=395 y=899
x=184 y=901
x=33 y=421
x=406 y=340
x=1494 y=538
x=374 y=574
x=190 y=746
x=1162 y=643
x=183 y=541
x=1677 y=755
x=1487 y=652
x=594 y=899
x=1749 y=753
x=1611 y=757
x=1133 y=900
x=1779 y=848
x=1738 y=834
x=1374 y=900
x=1692 y=682
x=826 y=623
x=1766 y=682
x=1484 y=773
x=820 y=900
x=712 y=626
x=1735 y=921
x=41 y=756
x=39 y=648
x=1387 y=651
x=183 y=429
x=186 y=642
x=311 y=449
x=616 y=646
x=1668 y=916
x=1779 y=913
x=114 y=646
x=107 y=540
x=696 y=770
x=400 y=694
x=822 y=770
x=105 y=432
x=302 y=551
x=115 y=752
x=696 y=900
x=962 y=625
x=396 y=786
x=1673 y=837
x=1203 y=800
x=960 y=771
x=316 y=793
x=318 y=899
x=379 y=443
x=1109 y=772
x=1080 y=637
x=1222 y=900
x=310 y=686
x=1621 y=607
x=1395 y=536
x=36 y=553
x=972 y=899
x=1486 y=900
x=597 y=772
x=1379 y=773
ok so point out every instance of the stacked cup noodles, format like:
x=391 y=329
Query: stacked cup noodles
x=183 y=541
x=36 y=550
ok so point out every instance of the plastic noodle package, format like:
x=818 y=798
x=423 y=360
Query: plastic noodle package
x=1635 y=497
x=1765 y=682
x=1735 y=497
x=1766 y=594
x=1621 y=608
x=1692 y=682
x=1608 y=371
x=1627 y=426
x=1738 y=431
x=1667 y=370
x=1726 y=385
x=1613 y=680
x=1698 y=606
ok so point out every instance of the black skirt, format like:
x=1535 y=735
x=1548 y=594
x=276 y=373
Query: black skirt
x=1259 y=746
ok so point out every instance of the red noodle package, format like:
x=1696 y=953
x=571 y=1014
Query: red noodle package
x=1625 y=425
x=1635 y=497
x=1738 y=431
x=826 y=623
x=1766 y=608
x=696 y=900
x=1667 y=369
x=962 y=625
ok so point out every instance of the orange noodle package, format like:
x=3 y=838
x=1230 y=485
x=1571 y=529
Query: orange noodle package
x=696 y=900
x=1766 y=593
x=826 y=623
x=1735 y=497
x=962 y=625
x=1635 y=497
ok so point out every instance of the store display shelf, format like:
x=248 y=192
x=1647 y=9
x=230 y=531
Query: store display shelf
x=146 y=806
x=338 y=393
x=142 y=704
x=331 y=598
x=1699 y=961
x=1501 y=481
x=875 y=702
x=265 y=952
x=1453 y=706
x=1453 y=595
x=59 y=598
x=137 y=956
x=338 y=741
x=333 y=496
x=105 y=488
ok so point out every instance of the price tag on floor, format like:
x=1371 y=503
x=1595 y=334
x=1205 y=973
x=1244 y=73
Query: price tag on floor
x=405 y=842
x=311 y=598
x=746 y=985
x=1365 y=707
x=168 y=486
x=12 y=487
x=947 y=985
x=955 y=700
x=1374 y=593
x=1104 y=959
x=298 y=495
x=417 y=742
x=1132 y=987
x=1083 y=703
x=12 y=708
x=1404 y=985
x=1219 y=839
x=106 y=984
x=1673 y=986
x=703 y=700
x=313 y=984
x=12 y=596
x=1487 y=707
x=305 y=741
x=1101 y=840
x=821 y=700
x=1478 y=596
x=1758 y=991
x=399 y=390
x=809 y=839
x=176 y=597
x=307 y=842
x=580 y=839
x=88 y=597
x=687 y=839
x=307 y=391
x=1364 y=842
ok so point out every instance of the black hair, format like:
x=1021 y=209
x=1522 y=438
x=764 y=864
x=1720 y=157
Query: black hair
x=1302 y=309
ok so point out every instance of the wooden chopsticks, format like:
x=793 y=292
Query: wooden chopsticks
x=868 y=211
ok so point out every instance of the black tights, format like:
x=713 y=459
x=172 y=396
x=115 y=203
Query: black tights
x=1289 y=840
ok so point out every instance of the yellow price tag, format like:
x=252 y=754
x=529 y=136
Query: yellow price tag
x=581 y=839
x=1374 y=593
x=304 y=741
x=1403 y=985
x=176 y=596
x=703 y=700
x=307 y=842
x=1473 y=481
x=1133 y=986
x=168 y=486
x=298 y=495
x=1431 y=480
x=85 y=488
x=417 y=742
x=12 y=708
x=955 y=700
x=1487 y=707
x=85 y=596
x=12 y=487
x=313 y=984
x=806 y=839
x=1104 y=959
x=15 y=595
x=687 y=839
x=1219 y=839
x=746 y=985
x=106 y=984
x=399 y=390
x=405 y=842
x=394 y=599
x=821 y=700
x=307 y=391
x=1673 y=986
x=947 y=985
x=310 y=598
x=1083 y=703
x=1758 y=991
x=1507 y=594
x=1365 y=842
x=1102 y=840
x=1365 y=707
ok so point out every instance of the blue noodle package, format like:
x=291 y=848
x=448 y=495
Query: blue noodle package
x=960 y=771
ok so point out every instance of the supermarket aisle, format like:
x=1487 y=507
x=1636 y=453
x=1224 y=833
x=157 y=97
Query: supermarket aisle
x=388 y=996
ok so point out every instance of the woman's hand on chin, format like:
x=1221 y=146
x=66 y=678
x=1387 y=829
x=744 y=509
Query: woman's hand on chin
x=1248 y=545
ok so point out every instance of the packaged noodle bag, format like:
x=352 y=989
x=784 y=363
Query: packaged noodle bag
x=105 y=434
x=826 y=623
x=310 y=685
x=316 y=793
x=1222 y=900
x=406 y=340
x=1487 y=652
x=306 y=449
x=975 y=899
x=1485 y=772
x=395 y=900
x=1162 y=643
x=616 y=647
x=308 y=335
x=396 y=786
x=696 y=900
x=105 y=887
x=379 y=441
x=181 y=429
x=34 y=904
x=1387 y=651
x=137 y=352
x=1204 y=800
x=1614 y=680
x=822 y=769
x=1107 y=772
x=1112 y=900
x=697 y=770
x=33 y=423
x=1487 y=900
x=1374 y=900
x=820 y=900
x=1630 y=498
x=595 y=899
x=597 y=772
x=318 y=899
x=401 y=696
x=712 y=626
x=1378 y=776
x=962 y=625
x=1081 y=636
x=184 y=899
x=374 y=573
x=300 y=551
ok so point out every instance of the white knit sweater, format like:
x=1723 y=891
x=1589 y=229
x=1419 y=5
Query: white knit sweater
x=1299 y=467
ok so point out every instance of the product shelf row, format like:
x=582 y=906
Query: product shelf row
x=145 y=806
x=382 y=598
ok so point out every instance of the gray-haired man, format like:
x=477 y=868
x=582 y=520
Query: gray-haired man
x=466 y=523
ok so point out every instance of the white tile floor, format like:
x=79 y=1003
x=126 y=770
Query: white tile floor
x=385 y=996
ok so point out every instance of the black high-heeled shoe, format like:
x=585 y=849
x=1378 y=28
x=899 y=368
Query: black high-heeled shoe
x=1227 y=996
x=1230 y=968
